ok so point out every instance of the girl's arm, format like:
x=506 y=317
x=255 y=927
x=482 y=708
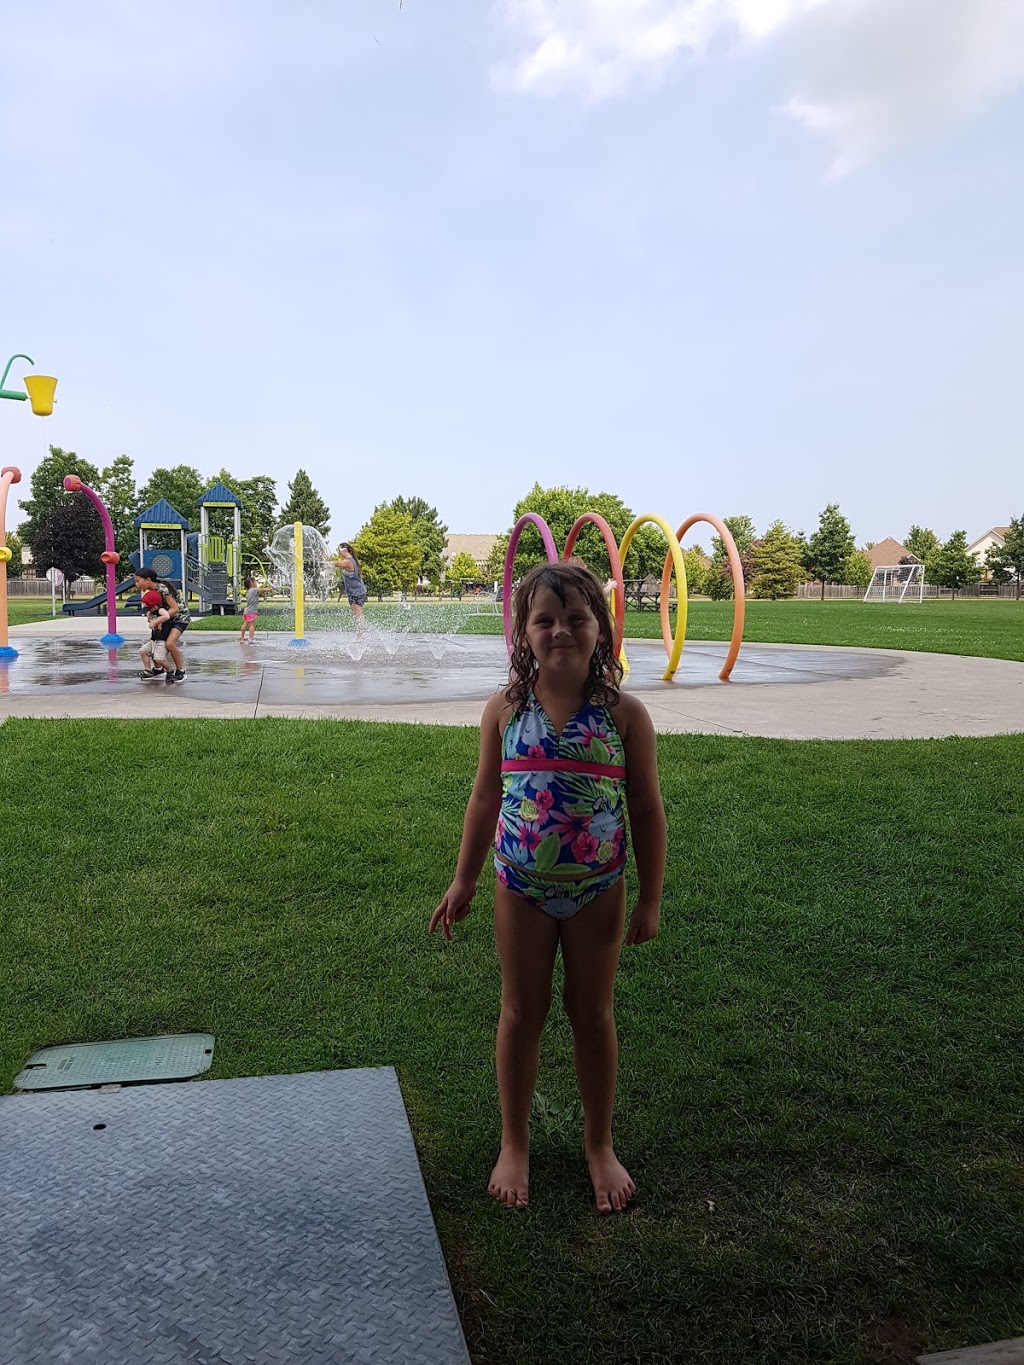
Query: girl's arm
x=646 y=817
x=482 y=811
x=170 y=606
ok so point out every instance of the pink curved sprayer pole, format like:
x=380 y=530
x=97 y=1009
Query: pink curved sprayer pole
x=510 y=555
x=8 y=475
x=73 y=484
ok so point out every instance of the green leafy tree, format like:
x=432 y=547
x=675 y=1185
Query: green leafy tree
x=181 y=484
x=259 y=516
x=718 y=583
x=306 y=505
x=430 y=535
x=15 y=565
x=388 y=553
x=46 y=487
x=697 y=566
x=70 y=539
x=116 y=487
x=1008 y=559
x=463 y=568
x=859 y=571
x=921 y=542
x=830 y=548
x=997 y=571
x=494 y=569
x=777 y=563
x=561 y=507
x=952 y=567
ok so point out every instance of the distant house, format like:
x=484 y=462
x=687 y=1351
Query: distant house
x=994 y=538
x=477 y=547
x=888 y=552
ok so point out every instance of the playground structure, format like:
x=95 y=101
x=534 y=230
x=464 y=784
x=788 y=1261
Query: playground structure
x=674 y=562
x=39 y=390
x=202 y=564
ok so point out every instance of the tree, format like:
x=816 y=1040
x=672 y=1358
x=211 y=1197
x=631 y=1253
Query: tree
x=859 y=570
x=494 y=569
x=697 y=565
x=70 y=539
x=116 y=486
x=829 y=549
x=777 y=563
x=1010 y=555
x=259 y=516
x=952 y=567
x=15 y=565
x=718 y=583
x=182 y=485
x=306 y=505
x=387 y=551
x=429 y=533
x=921 y=542
x=463 y=566
x=561 y=507
x=47 y=487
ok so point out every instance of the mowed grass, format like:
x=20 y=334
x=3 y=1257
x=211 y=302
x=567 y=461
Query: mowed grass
x=821 y=1085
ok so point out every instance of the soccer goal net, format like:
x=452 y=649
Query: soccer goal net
x=896 y=583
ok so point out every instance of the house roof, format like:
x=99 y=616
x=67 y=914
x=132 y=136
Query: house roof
x=888 y=551
x=478 y=547
x=220 y=495
x=161 y=514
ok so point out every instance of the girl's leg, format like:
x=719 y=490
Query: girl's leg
x=174 y=651
x=591 y=942
x=527 y=941
x=357 y=612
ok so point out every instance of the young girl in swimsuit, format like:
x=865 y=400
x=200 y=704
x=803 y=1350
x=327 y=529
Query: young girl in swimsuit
x=562 y=753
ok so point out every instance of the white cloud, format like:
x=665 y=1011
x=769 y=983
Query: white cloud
x=861 y=73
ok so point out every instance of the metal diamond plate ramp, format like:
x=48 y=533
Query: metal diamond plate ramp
x=237 y=1222
x=169 y=1057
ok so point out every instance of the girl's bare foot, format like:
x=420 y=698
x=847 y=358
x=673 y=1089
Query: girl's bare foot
x=613 y=1184
x=510 y=1179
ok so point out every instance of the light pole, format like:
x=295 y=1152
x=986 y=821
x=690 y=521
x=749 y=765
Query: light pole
x=39 y=390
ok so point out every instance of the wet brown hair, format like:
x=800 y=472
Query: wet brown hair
x=602 y=681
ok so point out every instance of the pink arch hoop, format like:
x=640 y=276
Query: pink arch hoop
x=739 y=587
x=616 y=567
x=510 y=555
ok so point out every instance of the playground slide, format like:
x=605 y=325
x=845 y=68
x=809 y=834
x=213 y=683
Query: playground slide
x=100 y=600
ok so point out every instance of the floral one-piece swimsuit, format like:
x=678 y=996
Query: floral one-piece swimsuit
x=561 y=836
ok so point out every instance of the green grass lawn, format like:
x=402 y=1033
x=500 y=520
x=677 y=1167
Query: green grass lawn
x=21 y=611
x=821 y=1087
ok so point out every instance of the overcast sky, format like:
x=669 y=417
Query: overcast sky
x=744 y=256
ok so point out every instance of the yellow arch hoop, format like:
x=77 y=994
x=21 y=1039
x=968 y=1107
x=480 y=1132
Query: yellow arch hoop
x=673 y=646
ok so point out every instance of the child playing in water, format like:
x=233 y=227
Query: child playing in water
x=251 y=612
x=153 y=654
x=562 y=751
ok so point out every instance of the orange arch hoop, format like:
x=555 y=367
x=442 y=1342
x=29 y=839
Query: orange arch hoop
x=739 y=587
x=618 y=593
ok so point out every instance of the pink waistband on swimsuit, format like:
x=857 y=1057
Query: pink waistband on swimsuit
x=561 y=765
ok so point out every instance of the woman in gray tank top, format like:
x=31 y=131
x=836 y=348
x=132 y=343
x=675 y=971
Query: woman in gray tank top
x=352 y=579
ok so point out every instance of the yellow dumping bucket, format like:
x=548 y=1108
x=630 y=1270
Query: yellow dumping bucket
x=40 y=389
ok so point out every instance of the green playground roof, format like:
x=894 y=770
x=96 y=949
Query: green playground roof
x=220 y=495
x=160 y=514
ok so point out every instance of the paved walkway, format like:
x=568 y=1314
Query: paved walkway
x=783 y=691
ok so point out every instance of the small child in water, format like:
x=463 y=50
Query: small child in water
x=153 y=654
x=251 y=612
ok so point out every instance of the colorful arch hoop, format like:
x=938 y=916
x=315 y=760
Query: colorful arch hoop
x=673 y=646
x=618 y=596
x=739 y=587
x=510 y=555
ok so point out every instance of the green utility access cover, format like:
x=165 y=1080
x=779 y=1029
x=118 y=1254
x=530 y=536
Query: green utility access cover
x=172 y=1057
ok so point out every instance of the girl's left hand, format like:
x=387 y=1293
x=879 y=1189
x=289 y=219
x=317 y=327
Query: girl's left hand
x=643 y=923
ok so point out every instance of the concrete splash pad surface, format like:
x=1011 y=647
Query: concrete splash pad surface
x=787 y=691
